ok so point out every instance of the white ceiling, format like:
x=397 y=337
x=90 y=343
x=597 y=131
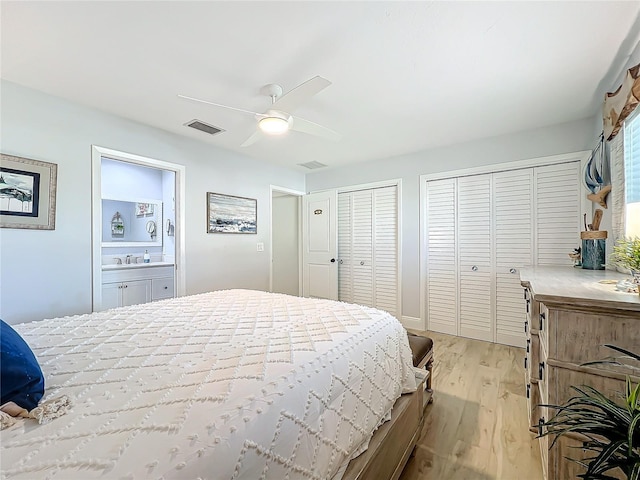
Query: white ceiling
x=407 y=76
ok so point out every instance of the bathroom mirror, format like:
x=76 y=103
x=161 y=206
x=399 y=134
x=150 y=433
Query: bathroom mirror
x=127 y=223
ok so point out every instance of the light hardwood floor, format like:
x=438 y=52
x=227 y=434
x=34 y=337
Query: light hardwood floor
x=477 y=426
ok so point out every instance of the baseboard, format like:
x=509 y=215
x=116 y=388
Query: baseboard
x=412 y=322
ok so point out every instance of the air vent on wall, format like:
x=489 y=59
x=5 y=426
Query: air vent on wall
x=312 y=165
x=203 y=127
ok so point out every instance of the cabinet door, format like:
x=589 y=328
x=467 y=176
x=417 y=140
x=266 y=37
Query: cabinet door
x=442 y=288
x=111 y=295
x=162 y=288
x=135 y=292
x=557 y=213
x=475 y=247
x=513 y=227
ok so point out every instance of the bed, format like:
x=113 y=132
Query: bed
x=234 y=384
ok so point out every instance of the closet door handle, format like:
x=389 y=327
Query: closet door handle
x=474 y=268
x=341 y=262
x=333 y=260
x=362 y=262
x=512 y=270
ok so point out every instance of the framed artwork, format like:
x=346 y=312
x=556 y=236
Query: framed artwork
x=143 y=209
x=27 y=193
x=229 y=214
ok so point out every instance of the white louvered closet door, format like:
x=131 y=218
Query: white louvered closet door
x=368 y=248
x=442 y=284
x=557 y=220
x=385 y=254
x=475 y=252
x=345 y=239
x=513 y=227
x=362 y=247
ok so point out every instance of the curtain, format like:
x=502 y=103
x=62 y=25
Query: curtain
x=621 y=103
x=616 y=156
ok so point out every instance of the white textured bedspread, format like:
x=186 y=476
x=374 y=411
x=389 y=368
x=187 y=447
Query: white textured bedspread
x=228 y=384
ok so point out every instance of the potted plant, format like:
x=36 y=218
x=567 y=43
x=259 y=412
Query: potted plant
x=626 y=254
x=611 y=429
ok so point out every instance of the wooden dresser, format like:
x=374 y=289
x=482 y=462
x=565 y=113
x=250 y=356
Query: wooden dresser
x=570 y=315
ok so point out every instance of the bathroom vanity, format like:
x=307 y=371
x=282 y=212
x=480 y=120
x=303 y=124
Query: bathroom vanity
x=131 y=284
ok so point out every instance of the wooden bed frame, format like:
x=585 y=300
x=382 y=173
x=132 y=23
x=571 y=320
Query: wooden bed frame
x=393 y=443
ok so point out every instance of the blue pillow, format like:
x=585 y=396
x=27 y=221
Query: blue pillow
x=21 y=379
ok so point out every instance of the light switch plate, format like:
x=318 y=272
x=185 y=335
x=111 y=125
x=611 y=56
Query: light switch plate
x=260 y=247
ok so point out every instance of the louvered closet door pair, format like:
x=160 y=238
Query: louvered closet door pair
x=367 y=248
x=481 y=230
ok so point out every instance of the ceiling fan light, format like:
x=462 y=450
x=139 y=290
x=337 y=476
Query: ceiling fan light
x=273 y=125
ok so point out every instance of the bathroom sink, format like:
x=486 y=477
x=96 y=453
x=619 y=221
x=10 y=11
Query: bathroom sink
x=118 y=266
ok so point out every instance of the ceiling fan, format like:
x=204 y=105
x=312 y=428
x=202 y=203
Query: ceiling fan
x=278 y=119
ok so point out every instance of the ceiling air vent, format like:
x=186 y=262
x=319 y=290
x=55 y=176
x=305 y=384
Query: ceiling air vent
x=312 y=165
x=203 y=127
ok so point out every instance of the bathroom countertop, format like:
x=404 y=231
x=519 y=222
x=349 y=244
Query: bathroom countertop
x=118 y=266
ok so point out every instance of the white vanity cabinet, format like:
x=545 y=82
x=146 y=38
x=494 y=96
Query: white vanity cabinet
x=134 y=284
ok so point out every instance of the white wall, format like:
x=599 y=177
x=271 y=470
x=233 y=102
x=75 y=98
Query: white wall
x=285 y=221
x=48 y=273
x=565 y=138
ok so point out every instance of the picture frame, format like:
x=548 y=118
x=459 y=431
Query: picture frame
x=27 y=193
x=231 y=214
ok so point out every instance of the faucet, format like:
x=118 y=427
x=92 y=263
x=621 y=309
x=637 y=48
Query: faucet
x=128 y=260
x=118 y=260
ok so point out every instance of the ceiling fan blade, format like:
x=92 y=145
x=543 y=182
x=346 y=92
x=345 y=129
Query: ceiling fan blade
x=220 y=105
x=252 y=139
x=294 y=98
x=305 y=126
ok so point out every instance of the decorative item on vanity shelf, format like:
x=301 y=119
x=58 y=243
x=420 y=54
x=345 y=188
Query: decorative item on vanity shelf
x=146 y=258
x=117 y=225
x=626 y=255
x=576 y=256
x=610 y=426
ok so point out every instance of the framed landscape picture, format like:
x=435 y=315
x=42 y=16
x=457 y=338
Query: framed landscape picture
x=230 y=214
x=27 y=193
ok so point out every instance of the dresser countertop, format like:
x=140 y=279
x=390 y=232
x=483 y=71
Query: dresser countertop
x=579 y=287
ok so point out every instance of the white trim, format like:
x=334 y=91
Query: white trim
x=299 y=194
x=583 y=156
x=96 y=215
x=369 y=186
x=414 y=323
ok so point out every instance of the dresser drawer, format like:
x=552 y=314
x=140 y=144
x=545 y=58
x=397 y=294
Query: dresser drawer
x=533 y=405
x=162 y=288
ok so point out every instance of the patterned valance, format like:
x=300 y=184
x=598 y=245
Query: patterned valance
x=621 y=103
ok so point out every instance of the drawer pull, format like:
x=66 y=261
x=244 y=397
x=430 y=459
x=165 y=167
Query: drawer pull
x=526 y=326
x=541 y=371
x=540 y=425
x=542 y=317
x=525 y=294
x=528 y=303
x=528 y=390
x=166 y=288
x=528 y=344
x=525 y=363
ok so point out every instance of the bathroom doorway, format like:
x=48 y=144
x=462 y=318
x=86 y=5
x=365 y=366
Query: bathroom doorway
x=156 y=189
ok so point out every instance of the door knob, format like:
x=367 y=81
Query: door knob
x=333 y=260
x=362 y=263
x=474 y=268
x=512 y=270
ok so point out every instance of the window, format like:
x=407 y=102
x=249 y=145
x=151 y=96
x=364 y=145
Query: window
x=632 y=175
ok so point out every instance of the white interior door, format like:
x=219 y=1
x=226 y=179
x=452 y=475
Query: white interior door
x=320 y=245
